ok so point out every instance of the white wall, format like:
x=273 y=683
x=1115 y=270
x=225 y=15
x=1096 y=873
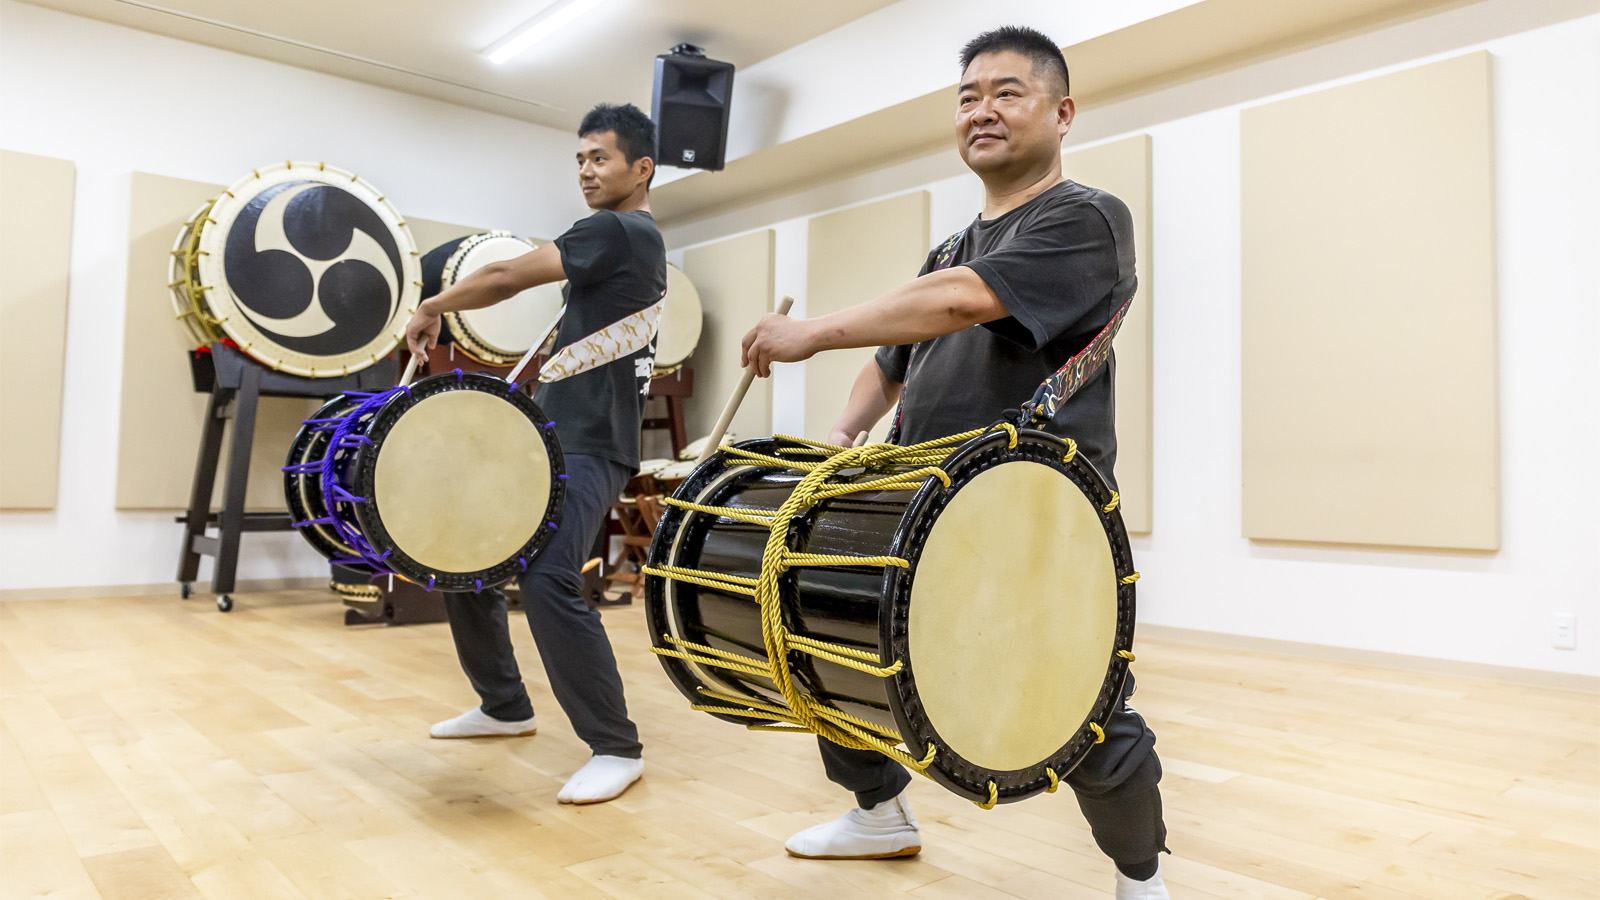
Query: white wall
x=116 y=101
x=1492 y=608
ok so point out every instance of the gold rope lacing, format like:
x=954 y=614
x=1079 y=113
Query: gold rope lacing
x=820 y=462
x=799 y=711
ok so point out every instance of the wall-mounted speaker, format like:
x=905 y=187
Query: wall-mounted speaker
x=690 y=107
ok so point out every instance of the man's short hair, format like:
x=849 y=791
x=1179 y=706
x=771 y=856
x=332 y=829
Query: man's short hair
x=636 y=134
x=1026 y=41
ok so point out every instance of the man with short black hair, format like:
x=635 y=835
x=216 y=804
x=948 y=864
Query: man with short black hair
x=1027 y=286
x=615 y=266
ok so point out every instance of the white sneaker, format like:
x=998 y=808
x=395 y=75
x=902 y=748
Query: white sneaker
x=1153 y=889
x=602 y=778
x=476 y=723
x=884 y=831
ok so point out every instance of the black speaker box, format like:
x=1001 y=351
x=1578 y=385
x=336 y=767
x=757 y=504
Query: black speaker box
x=690 y=108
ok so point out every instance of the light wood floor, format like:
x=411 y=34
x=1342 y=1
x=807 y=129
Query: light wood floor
x=154 y=749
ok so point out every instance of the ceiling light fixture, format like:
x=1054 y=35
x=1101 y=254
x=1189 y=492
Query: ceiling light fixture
x=549 y=20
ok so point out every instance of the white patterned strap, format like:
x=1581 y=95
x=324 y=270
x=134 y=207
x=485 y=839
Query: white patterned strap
x=610 y=343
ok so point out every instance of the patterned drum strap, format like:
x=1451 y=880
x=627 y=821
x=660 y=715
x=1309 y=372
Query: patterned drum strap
x=610 y=343
x=1056 y=389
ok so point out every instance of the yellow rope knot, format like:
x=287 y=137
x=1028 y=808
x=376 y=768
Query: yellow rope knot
x=1127 y=655
x=1099 y=733
x=1055 y=780
x=994 y=797
x=1116 y=499
x=1072 y=451
x=1131 y=578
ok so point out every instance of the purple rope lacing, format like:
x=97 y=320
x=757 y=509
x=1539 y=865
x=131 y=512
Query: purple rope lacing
x=340 y=444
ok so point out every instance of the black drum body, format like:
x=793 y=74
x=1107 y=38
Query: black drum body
x=875 y=609
x=302 y=482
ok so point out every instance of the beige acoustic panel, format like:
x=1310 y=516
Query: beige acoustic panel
x=1123 y=168
x=159 y=435
x=1370 y=401
x=36 y=194
x=853 y=256
x=735 y=281
x=429 y=234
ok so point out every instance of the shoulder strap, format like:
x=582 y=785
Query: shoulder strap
x=1066 y=381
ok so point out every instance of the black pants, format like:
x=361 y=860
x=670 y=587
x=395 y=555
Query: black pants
x=1116 y=786
x=573 y=644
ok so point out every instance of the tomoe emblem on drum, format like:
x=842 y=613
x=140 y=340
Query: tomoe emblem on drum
x=314 y=268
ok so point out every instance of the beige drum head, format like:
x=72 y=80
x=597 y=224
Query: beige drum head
x=309 y=269
x=677 y=471
x=652 y=466
x=680 y=322
x=462 y=481
x=1013 y=615
x=698 y=445
x=500 y=334
x=182 y=279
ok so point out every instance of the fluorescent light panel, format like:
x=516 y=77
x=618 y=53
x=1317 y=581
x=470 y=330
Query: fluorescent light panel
x=550 y=20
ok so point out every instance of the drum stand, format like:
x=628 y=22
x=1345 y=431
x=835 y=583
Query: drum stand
x=236 y=383
x=674 y=389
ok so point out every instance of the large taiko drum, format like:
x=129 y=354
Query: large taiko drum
x=455 y=482
x=964 y=606
x=498 y=335
x=681 y=316
x=307 y=267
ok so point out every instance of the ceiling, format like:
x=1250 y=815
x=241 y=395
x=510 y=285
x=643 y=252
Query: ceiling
x=1200 y=39
x=432 y=47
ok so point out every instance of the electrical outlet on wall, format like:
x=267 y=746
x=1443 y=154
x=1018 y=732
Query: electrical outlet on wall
x=1565 y=636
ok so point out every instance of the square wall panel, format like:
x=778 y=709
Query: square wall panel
x=1370 y=407
x=853 y=256
x=734 y=278
x=1122 y=168
x=162 y=416
x=36 y=195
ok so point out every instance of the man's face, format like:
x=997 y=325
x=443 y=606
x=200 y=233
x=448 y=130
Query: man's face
x=1009 y=116
x=604 y=175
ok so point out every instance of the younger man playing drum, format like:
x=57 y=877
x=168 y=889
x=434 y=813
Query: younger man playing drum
x=615 y=265
x=1040 y=272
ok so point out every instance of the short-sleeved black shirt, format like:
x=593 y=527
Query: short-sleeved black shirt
x=1062 y=264
x=616 y=265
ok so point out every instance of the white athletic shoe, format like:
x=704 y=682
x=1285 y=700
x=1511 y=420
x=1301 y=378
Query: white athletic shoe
x=602 y=778
x=476 y=723
x=1153 y=889
x=884 y=831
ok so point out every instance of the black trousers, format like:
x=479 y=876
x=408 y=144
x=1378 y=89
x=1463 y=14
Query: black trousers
x=572 y=643
x=1116 y=786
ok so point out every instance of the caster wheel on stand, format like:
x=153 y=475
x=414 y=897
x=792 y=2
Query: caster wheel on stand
x=185 y=589
x=224 y=603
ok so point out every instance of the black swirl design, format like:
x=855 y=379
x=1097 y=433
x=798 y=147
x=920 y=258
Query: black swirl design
x=321 y=222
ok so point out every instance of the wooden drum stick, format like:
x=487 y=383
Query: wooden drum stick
x=714 y=440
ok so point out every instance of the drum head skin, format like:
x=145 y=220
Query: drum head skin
x=698 y=445
x=1010 y=616
x=498 y=335
x=1016 y=587
x=309 y=269
x=680 y=322
x=462 y=481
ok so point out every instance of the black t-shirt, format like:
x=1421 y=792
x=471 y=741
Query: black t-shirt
x=616 y=265
x=1062 y=264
